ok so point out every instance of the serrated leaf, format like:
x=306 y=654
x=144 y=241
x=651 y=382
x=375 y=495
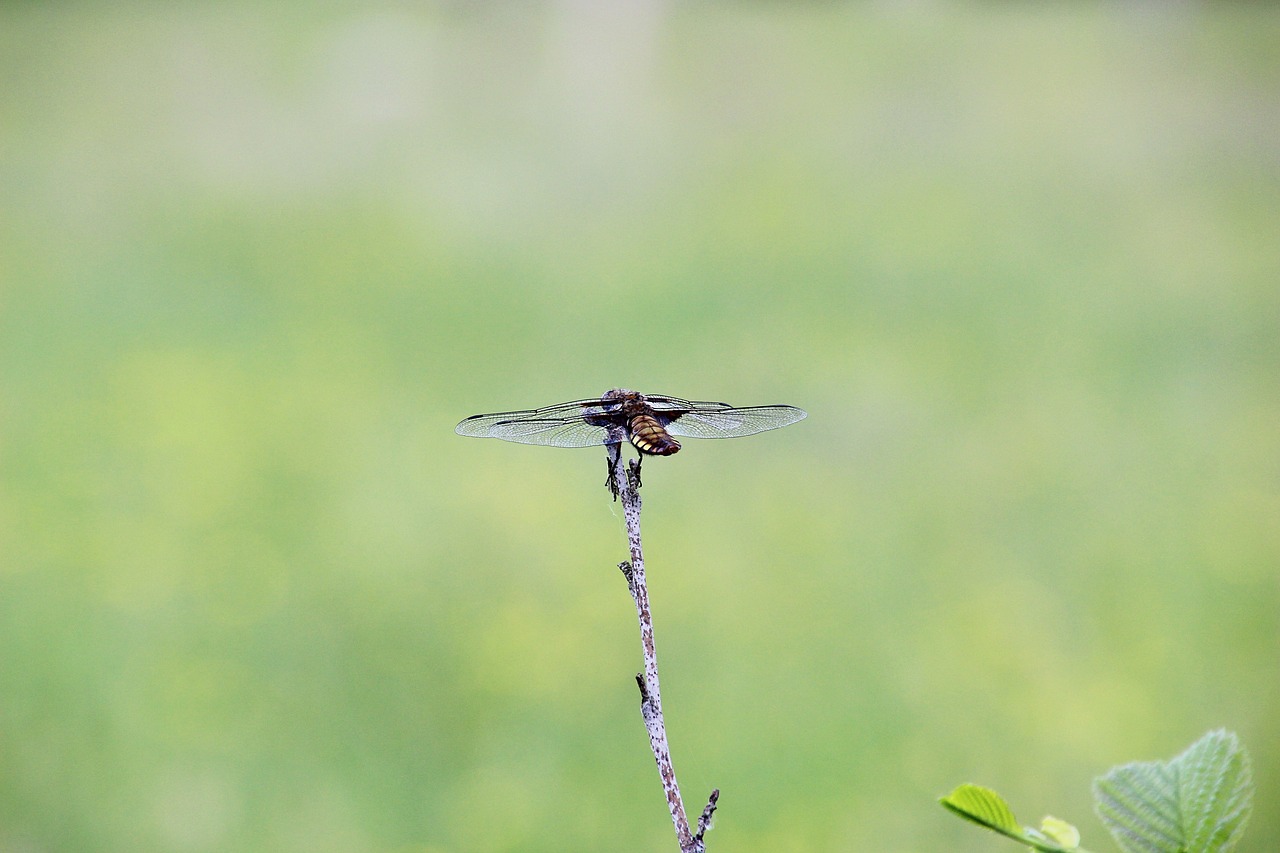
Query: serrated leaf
x=983 y=806
x=1138 y=804
x=1216 y=785
x=1197 y=803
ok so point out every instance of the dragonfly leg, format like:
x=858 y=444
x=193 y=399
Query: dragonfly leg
x=612 y=454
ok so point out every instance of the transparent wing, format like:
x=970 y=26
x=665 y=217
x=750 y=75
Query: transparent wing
x=563 y=433
x=574 y=408
x=662 y=403
x=701 y=421
x=561 y=425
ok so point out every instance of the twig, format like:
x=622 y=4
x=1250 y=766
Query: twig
x=625 y=482
x=704 y=822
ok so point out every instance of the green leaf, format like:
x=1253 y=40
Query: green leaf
x=1217 y=791
x=985 y=807
x=1060 y=831
x=1197 y=803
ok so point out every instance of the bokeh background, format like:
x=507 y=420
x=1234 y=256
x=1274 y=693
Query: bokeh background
x=1020 y=263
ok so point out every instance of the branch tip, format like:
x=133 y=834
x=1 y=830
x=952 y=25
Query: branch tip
x=704 y=822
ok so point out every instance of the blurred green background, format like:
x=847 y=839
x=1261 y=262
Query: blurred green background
x=1020 y=263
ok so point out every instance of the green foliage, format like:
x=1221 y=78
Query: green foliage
x=986 y=808
x=1198 y=802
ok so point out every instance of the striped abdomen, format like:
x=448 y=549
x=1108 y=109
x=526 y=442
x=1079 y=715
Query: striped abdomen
x=649 y=436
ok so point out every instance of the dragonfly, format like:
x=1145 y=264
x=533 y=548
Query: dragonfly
x=650 y=422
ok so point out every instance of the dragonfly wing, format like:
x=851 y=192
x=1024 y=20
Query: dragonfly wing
x=557 y=432
x=730 y=422
x=661 y=403
x=509 y=425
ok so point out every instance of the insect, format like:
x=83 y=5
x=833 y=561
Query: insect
x=650 y=422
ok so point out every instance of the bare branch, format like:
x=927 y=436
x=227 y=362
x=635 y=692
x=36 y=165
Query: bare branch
x=624 y=482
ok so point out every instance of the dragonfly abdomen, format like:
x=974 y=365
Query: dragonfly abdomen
x=649 y=436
